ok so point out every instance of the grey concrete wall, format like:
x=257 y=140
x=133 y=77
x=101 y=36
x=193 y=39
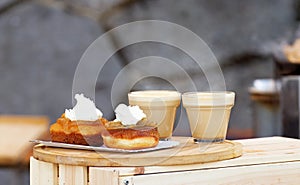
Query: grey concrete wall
x=41 y=47
x=232 y=29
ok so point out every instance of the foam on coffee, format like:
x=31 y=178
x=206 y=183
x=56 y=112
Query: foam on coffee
x=208 y=98
x=153 y=95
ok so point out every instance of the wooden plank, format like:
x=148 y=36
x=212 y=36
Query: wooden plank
x=15 y=133
x=276 y=174
x=255 y=151
x=267 y=140
x=75 y=175
x=186 y=153
x=43 y=173
x=105 y=176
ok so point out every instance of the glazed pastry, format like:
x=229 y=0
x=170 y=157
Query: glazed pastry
x=81 y=125
x=130 y=130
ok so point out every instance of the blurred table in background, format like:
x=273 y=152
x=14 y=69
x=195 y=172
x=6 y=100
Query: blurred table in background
x=15 y=148
x=15 y=133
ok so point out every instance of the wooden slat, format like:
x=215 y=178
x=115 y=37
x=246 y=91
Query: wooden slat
x=75 y=175
x=43 y=173
x=255 y=151
x=267 y=140
x=276 y=174
x=99 y=176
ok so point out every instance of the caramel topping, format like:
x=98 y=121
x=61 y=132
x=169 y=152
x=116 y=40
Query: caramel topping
x=118 y=124
x=69 y=126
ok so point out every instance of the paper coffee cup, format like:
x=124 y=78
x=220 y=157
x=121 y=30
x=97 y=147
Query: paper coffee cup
x=208 y=114
x=159 y=106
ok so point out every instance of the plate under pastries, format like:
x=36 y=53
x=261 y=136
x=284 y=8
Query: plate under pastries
x=161 y=145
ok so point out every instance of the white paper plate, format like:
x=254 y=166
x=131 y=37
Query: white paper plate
x=161 y=145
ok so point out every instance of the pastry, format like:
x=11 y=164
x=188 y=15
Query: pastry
x=77 y=132
x=81 y=125
x=130 y=130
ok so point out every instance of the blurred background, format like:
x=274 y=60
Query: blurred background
x=42 y=41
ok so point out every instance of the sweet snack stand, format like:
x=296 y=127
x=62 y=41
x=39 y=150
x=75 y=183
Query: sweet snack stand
x=274 y=160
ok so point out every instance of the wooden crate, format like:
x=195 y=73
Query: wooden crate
x=274 y=160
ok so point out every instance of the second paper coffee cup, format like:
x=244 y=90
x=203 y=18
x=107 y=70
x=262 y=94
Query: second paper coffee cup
x=159 y=106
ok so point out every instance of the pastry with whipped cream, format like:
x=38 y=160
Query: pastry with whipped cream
x=130 y=130
x=81 y=125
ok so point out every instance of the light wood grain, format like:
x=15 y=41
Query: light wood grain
x=255 y=151
x=103 y=176
x=275 y=174
x=186 y=153
x=75 y=175
x=274 y=160
x=43 y=173
x=15 y=133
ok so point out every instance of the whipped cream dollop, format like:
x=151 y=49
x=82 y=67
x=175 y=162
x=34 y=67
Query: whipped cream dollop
x=85 y=109
x=129 y=115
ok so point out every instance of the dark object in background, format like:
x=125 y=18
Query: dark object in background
x=290 y=106
x=282 y=65
x=286 y=68
x=289 y=75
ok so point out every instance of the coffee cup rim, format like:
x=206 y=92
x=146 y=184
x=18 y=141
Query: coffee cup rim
x=166 y=95
x=208 y=98
x=208 y=94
